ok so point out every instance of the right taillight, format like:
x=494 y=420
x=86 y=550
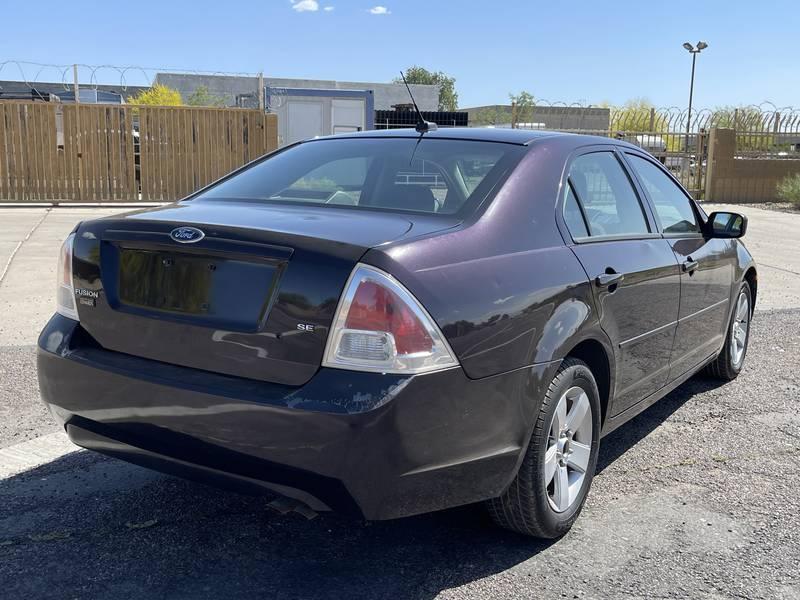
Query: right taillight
x=380 y=326
x=65 y=292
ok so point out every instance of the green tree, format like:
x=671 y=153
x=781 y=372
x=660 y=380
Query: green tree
x=158 y=95
x=635 y=116
x=753 y=127
x=490 y=115
x=744 y=118
x=448 y=97
x=638 y=116
x=202 y=97
x=523 y=103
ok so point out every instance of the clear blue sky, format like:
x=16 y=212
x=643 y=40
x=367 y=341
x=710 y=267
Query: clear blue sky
x=586 y=51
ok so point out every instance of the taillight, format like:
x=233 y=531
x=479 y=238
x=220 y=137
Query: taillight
x=380 y=326
x=65 y=292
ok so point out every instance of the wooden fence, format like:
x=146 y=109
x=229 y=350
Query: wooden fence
x=52 y=152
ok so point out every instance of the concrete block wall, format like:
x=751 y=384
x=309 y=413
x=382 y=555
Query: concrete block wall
x=745 y=179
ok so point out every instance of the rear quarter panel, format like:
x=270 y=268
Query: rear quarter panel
x=504 y=289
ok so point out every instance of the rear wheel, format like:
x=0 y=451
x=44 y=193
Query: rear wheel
x=547 y=495
x=730 y=361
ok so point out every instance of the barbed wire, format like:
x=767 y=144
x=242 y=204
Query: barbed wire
x=766 y=116
x=65 y=76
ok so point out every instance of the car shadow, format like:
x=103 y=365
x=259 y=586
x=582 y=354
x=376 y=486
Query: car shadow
x=628 y=435
x=102 y=528
x=97 y=527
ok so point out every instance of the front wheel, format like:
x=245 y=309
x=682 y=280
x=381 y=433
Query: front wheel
x=546 y=496
x=730 y=361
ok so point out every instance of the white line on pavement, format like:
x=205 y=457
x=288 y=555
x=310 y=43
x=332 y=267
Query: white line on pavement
x=34 y=453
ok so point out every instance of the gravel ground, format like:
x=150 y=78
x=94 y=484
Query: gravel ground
x=22 y=415
x=697 y=497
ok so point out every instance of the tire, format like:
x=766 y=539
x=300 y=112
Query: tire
x=531 y=505
x=730 y=361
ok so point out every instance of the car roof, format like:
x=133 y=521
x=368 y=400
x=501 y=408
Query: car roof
x=482 y=134
x=521 y=137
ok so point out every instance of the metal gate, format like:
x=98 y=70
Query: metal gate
x=682 y=144
x=660 y=132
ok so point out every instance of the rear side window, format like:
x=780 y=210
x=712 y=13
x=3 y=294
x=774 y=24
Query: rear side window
x=434 y=176
x=605 y=193
x=673 y=208
x=573 y=215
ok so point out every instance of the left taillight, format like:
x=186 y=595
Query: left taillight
x=65 y=292
x=380 y=326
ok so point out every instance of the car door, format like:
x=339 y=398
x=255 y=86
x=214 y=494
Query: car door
x=635 y=275
x=707 y=266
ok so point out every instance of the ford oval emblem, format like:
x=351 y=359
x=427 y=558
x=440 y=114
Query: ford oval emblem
x=187 y=235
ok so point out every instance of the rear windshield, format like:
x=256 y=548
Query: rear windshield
x=435 y=176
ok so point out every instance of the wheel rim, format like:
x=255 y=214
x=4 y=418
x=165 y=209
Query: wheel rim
x=569 y=448
x=739 y=329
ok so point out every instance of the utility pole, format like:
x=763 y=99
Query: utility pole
x=261 y=90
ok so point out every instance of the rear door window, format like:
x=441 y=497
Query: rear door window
x=605 y=193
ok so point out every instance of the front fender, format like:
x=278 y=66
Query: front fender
x=744 y=262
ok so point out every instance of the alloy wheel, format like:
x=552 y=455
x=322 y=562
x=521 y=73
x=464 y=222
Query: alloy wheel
x=740 y=329
x=569 y=447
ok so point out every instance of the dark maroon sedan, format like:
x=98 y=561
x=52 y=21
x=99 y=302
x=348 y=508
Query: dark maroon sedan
x=391 y=323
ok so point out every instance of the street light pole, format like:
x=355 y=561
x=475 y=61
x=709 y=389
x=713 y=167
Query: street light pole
x=694 y=52
x=691 y=95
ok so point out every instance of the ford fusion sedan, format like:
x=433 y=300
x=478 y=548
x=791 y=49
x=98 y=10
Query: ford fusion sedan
x=391 y=323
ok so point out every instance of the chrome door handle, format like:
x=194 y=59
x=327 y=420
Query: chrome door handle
x=605 y=280
x=689 y=266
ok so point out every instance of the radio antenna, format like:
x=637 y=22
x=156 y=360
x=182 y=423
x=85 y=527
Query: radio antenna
x=423 y=126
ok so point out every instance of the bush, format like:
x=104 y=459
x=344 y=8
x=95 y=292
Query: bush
x=158 y=95
x=789 y=189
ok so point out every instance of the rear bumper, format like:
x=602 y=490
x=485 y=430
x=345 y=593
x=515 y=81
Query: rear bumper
x=378 y=446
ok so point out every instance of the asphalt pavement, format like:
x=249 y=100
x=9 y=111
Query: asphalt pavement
x=698 y=497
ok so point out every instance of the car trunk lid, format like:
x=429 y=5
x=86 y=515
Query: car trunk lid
x=254 y=297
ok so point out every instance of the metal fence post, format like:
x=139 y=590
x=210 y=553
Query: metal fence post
x=76 y=87
x=701 y=143
x=710 y=170
x=78 y=132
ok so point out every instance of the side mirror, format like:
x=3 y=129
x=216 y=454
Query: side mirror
x=726 y=225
